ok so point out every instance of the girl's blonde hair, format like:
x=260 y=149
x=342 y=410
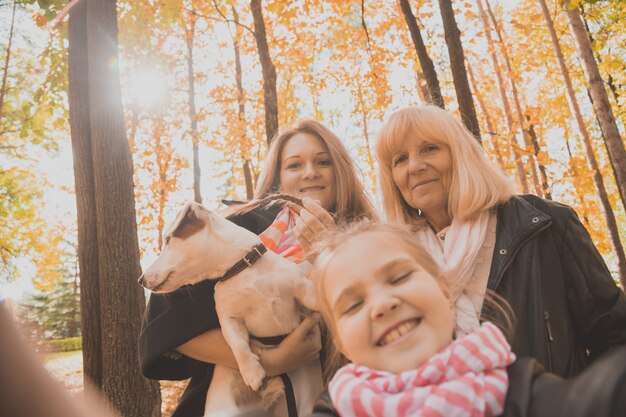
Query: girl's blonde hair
x=351 y=200
x=476 y=183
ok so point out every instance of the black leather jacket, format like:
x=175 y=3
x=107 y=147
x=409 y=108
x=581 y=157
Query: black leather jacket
x=567 y=307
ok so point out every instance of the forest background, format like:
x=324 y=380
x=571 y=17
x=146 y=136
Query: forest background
x=202 y=86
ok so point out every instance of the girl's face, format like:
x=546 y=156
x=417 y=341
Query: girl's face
x=390 y=314
x=306 y=170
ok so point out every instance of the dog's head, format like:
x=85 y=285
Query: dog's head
x=199 y=245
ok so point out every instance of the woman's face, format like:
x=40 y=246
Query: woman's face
x=390 y=314
x=422 y=171
x=306 y=170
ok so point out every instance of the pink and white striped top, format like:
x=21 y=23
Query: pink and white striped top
x=467 y=378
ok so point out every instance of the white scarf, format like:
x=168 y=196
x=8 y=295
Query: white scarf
x=457 y=259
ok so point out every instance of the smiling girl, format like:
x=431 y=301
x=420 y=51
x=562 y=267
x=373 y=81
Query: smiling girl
x=389 y=309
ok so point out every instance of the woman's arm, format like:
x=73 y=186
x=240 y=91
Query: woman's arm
x=301 y=347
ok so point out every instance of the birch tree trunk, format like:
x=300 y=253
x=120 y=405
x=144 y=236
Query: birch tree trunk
x=599 y=100
x=190 y=34
x=488 y=120
x=519 y=162
x=241 y=104
x=428 y=68
x=269 y=71
x=591 y=159
x=457 y=64
x=7 y=60
x=531 y=162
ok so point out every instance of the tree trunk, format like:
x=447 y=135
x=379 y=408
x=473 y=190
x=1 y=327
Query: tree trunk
x=241 y=114
x=78 y=97
x=542 y=169
x=428 y=68
x=505 y=101
x=591 y=159
x=609 y=79
x=457 y=64
x=600 y=100
x=7 y=60
x=269 y=72
x=193 y=115
x=108 y=249
x=368 y=150
x=490 y=127
x=519 y=163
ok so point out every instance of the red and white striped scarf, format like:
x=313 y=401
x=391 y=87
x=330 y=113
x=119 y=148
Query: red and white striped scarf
x=467 y=378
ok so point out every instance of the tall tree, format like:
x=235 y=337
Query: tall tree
x=599 y=99
x=428 y=68
x=269 y=71
x=491 y=130
x=190 y=34
x=457 y=65
x=591 y=159
x=107 y=233
x=7 y=60
x=241 y=107
x=505 y=101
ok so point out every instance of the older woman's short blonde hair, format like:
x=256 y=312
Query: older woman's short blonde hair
x=476 y=183
x=351 y=200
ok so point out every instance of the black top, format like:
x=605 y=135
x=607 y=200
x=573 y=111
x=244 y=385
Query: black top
x=175 y=318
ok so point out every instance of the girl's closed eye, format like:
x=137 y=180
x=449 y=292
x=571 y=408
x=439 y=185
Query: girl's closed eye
x=352 y=306
x=400 y=278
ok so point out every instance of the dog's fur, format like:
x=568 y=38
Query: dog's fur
x=263 y=300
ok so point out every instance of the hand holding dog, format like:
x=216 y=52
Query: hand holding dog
x=312 y=223
x=301 y=347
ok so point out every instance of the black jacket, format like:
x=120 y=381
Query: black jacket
x=173 y=319
x=564 y=298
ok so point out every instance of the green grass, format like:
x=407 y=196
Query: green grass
x=51 y=357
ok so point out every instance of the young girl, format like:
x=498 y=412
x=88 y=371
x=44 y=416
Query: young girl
x=389 y=309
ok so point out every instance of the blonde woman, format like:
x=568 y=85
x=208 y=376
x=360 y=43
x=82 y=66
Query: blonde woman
x=534 y=253
x=181 y=337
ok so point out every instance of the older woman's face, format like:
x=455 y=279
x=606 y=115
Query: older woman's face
x=306 y=170
x=422 y=171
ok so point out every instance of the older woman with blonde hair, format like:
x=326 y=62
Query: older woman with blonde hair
x=181 y=337
x=532 y=252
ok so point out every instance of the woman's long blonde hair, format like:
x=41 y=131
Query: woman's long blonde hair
x=476 y=183
x=351 y=201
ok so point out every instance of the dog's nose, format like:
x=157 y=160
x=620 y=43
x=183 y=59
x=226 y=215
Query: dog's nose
x=140 y=280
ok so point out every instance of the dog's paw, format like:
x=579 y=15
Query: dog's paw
x=253 y=374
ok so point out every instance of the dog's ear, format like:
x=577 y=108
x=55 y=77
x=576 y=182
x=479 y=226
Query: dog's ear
x=192 y=218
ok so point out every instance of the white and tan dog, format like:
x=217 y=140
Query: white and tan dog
x=264 y=298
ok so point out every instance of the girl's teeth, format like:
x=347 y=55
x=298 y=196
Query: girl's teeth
x=399 y=331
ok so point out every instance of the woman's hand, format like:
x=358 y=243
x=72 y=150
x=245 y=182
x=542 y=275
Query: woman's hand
x=312 y=223
x=302 y=346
